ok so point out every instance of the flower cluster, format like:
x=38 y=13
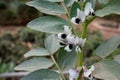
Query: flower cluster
x=70 y=41
x=81 y=15
x=87 y=73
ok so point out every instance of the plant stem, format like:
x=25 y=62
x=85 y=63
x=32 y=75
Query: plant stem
x=61 y=73
x=80 y=54
x=84 y=30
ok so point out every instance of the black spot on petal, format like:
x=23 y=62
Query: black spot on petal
x=63 y=36
x=93 y=14
x=70 y=46
x=77 y=20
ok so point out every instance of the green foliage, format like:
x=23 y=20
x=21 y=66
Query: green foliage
x=37 y=52
x=107 y=47
x=66 y=60
x=12 y=12
x=69 y=2
x=43 y=74
x=54 y=0
x=73 y=9
x=110 y=8
x=103 y=1
x=51 y=8
x=35 y=64
x=6 y=67
x=13 y=46
x=52 y=44
x=117 y=58
x=107 y=69
x=48 y=24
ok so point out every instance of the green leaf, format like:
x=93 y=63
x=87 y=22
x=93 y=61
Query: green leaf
x=35 y=64
x=103 y=1
x=110 y=8
x=52 y=44
x=37 y=52
x=107 y=70
x=73 y=10
x=66 y=60
x=48 y=24
x=54 y=0
x=47 y=7
x=69 y=2
x=117 y=58
x=43 y=74
x=107 y=47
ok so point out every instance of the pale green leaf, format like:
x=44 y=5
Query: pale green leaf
x=37 y=52
x=43 y=74
x=107 y=47
x=66 y=60
x=110 y=8
x=107 y=70
x=73 y=10
x=54 y=0
x=69 y=2
x=52 y=44
x=117 y=58
x=35 y=64
x=49 y=24
x=47 y=7
x=103 y=1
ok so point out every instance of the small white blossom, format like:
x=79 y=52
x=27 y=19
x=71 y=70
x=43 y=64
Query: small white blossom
x=69 y=47
x=79 y=18
x=79 y=42
x=89 y=11
x=73 y=74
x=67 y=32
x=88 y=72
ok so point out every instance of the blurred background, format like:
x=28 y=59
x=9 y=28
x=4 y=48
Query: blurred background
x=16 y=39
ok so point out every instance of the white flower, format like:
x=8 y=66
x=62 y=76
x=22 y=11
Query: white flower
x=82 y=41
x=78 y=49
x=79 y=18
x=69 y=47
x=67 y=32
x=89 y=11
x=73 y=74
x=79 y=42
x=88 y=72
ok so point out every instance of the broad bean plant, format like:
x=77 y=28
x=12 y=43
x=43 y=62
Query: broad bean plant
x=61 y=58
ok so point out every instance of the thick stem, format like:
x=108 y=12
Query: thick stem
x=61 y=73
x=80 y=54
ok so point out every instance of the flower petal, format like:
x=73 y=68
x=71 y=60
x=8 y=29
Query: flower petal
x=73 y=20
x=69 y=48
x=77 y=49
x=67 y=30
x=88 y=8
x=62 y=36
x=73 y=73
x=70 y=39
x=82 y=16
x=78 y=12
x=82 y=41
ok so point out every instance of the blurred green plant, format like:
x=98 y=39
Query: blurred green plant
x=13 y=46
x=16 y=12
